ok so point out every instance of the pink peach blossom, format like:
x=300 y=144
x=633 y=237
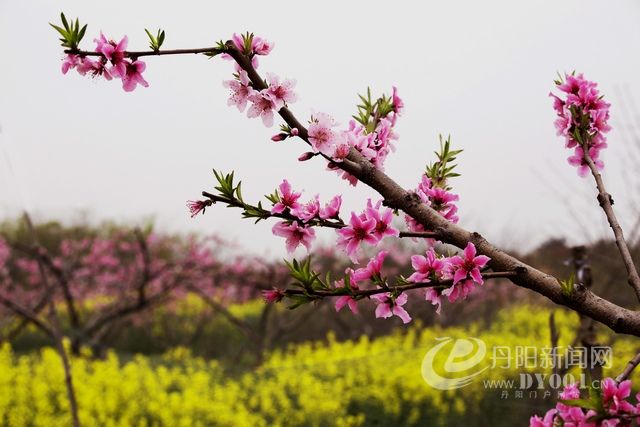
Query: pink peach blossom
x=308 y=211
x=331 y=210
x=70 y=62
x=468 y=265
x=280 y=94
x=288 y=198
x=321 y=134
x=240 y=90
x=357 y=232
x=614 y=395
x=133 y=76
x=347 y=300
x=261 y=107
x=295 y=235
x=388 y=306
x=433 y=296
x=196 y=206
x=372 y=270
x=383 y=218
x=114 y=52
x=97 y=68
x=427 y=268
x=261 y=46
x=460 y=290
x=398 y=104
x=582 y=119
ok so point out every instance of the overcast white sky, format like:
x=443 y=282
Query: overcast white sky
x=480 y=71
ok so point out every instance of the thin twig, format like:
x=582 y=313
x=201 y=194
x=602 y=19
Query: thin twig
x=628 y=369
x=441 y=284
x=606 y=202
x=56 y=328
x=315 y=223
x=134 y=54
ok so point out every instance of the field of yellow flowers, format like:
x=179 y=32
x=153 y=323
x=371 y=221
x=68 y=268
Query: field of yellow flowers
x=353 y=383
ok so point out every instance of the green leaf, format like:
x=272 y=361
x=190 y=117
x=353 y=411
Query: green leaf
x=149 y=34
x=81 y=34
x=61 y=31
x=239 y=191
x=160 y=39
x=567 y=285
x=64 y=21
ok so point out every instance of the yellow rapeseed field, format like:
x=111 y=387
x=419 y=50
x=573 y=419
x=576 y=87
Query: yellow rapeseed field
x=363 y=382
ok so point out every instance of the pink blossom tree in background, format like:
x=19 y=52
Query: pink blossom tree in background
x=103 y=281
x=452 y=263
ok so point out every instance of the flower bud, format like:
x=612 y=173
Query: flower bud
x=279 y=137
x=306 y=156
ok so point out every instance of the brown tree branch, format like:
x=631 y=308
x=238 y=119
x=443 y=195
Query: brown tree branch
x=606 y=202
x=399 y=288
x=555 y=337
x=26 y=314
x=137 y=54
x=631 y=365
x=146 y=265
x=581 y=299
x=314 y=223
x=117 y=311
x=41 y=255
x=243 y=326
x=23 y=321
x=55 y=327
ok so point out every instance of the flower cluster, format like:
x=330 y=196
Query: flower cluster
x=251 y=46
x=112 y=63
x=372 y=272
x=438 y=198
x=300 y=231
x=277 y=95
x=370 y=226
x=263 y=103
x=388 y=304
x=609 y=408
x=464 y=270
x=582 y=120
x=374 y=140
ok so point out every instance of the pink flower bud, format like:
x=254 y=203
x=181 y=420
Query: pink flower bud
x=273 y=295
x=306 y=156
x=279 y=137
x=332 y=166
x=294 y=132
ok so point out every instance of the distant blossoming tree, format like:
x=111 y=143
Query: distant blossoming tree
x=105 y=280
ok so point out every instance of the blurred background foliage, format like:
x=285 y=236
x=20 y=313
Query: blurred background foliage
x=210 y=354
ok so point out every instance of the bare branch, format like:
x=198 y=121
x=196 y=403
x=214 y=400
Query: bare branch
x=628 y=369
x=606 y=202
